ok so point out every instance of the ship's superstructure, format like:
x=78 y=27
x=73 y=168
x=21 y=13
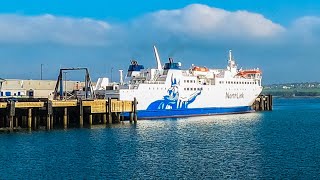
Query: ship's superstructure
x=170 y=91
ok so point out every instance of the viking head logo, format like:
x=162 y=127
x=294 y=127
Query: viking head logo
x=173 y=91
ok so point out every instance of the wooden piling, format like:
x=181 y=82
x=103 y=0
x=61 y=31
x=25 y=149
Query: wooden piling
x=65 y=118
x=104 y=118
x=81 y=114
x=23 y=121
x=52 y=121
x=118 y=117
x=29 y=118
x=270 y=102
x=90 y=119
x=35 y=119
x=267 y=103
x=11 y=122
x=109 y=111
x=49 y=114
x=16 y=124
x=135 y=118
x=12 y=114
x=48 y=121
x=261 y=103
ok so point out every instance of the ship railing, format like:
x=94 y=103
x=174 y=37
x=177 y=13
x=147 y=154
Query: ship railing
x=248 y=77
x=154 y=82
x=186 y=73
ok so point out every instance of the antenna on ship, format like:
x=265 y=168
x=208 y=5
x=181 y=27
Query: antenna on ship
x=157 y=58
x=121 y=76
x=230 y=55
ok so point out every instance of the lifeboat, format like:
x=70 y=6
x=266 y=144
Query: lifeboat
x=201 y=69
x=244 y=73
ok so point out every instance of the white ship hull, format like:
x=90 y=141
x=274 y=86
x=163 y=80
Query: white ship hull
x=154 y=99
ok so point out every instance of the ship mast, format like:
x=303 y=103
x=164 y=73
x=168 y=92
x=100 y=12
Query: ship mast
x=157 y=58
x=231 y=63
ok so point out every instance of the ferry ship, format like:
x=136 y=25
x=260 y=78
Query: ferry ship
x=170 y=91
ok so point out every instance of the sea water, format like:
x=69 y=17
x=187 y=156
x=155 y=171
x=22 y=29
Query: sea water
x=284 y=143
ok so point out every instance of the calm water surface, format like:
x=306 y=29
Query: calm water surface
x=281 y=144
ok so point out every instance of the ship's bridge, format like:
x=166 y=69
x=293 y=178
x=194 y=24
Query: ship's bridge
x=134 y=69
x=135 y=66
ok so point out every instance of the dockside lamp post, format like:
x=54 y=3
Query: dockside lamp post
x=1 y=81
x=41 y=66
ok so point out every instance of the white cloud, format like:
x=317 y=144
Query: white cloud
x=202 y=21
x=195 y=22
x=306 y=29
x=53 y=29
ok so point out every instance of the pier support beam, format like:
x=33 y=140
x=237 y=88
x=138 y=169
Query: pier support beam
x=65 y=118
x=109 y=111
x=90 y=119
x=131 y=117
x=52 y=120
x=23 y=121
x=12 y=114
x=29 y=118
x=35 y=119
x=270 y=102
x=261 y=103
x=49 y=115
x=118 y=117
x=104 y=118
x=48 y=121
x=135 y=118
x=11 y=122
x=16 y=124
x=81 y=115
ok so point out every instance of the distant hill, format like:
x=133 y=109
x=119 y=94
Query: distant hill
x=293 y=89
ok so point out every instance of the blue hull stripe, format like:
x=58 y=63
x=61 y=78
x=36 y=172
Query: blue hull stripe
x=150 y=114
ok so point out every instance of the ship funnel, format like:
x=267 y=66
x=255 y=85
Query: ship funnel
x=157 y=58
x=121 y=76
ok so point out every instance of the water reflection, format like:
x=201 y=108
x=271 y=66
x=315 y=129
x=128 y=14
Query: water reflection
x=283 y=143
x=220 y=145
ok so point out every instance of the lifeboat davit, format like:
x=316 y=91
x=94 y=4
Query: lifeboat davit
x=201 y=69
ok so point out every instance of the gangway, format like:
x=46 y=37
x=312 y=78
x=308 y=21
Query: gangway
x=88 y=84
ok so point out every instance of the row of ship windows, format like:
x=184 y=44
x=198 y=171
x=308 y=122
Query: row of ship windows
x=158 y=88
x=193 y=89
x=189 y=81
x=186 y=89
x=237 y=82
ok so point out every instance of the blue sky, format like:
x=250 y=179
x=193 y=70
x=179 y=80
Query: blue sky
x=280 y=37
